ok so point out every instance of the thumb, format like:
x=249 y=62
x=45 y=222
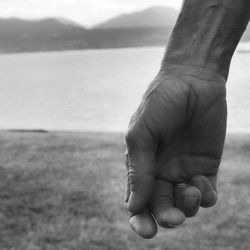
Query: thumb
x=140 y=165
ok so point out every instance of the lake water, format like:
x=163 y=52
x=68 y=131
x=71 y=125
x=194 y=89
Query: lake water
x=95 y=90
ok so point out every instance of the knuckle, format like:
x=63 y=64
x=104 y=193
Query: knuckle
x=126 y=160
x=139 y=139
x=132 y=177
x=134 y=140
x=133 y=180
x=131 y=137
x=125 y=206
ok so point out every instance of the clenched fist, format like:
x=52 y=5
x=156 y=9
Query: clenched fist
x=174 y=146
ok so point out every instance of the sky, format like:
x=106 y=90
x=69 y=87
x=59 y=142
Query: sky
x=85 y=12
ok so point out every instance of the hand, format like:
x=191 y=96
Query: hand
x=175 y=136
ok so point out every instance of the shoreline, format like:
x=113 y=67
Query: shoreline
x=41 y=130
x=243 y=45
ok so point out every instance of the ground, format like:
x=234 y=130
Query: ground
x=64 y=191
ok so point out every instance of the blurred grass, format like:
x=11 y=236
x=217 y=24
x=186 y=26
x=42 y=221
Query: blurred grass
x=65 y=191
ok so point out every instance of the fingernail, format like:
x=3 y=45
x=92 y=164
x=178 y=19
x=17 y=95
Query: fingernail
x=189 y=202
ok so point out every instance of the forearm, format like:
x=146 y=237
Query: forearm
x=207 y=33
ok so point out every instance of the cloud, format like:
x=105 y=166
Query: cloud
x=87 y=12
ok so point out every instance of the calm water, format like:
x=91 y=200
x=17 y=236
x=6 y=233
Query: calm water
x=95 y=90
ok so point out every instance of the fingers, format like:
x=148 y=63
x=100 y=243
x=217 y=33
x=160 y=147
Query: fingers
x=143 y=224
x=207 y=187
x=140 y=182
x=140 y=164
x=162 y=205
x=188 y=199
x=200 y=192
x=127 y=189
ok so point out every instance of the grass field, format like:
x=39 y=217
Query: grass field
x=64 y=191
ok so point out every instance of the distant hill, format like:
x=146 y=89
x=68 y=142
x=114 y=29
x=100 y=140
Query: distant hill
x=18 y=35
x=25 y=27
x=52 y=34
x=79 y=39
x=157 y=16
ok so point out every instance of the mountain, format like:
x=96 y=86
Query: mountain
x=22 y=26
x=156 y=16
x=17 y=35
x=53 y=34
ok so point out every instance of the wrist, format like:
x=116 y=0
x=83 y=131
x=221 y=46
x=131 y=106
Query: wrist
x=194 y=71
x=207 y=33
x=196 y=65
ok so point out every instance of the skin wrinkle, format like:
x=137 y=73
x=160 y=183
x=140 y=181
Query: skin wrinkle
x=153 y=87
x=198 y=77
x=208 y=110
x=193 y=107
x=200 y=155
x=180 y=162
x=180 y=129
x=141 y=108
x=138 y=116
x=133 y=174
x=172 y=148
x=179 y=175
x=209 y=107
x=155 y=138
x=136 y=143
x=199 y=74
